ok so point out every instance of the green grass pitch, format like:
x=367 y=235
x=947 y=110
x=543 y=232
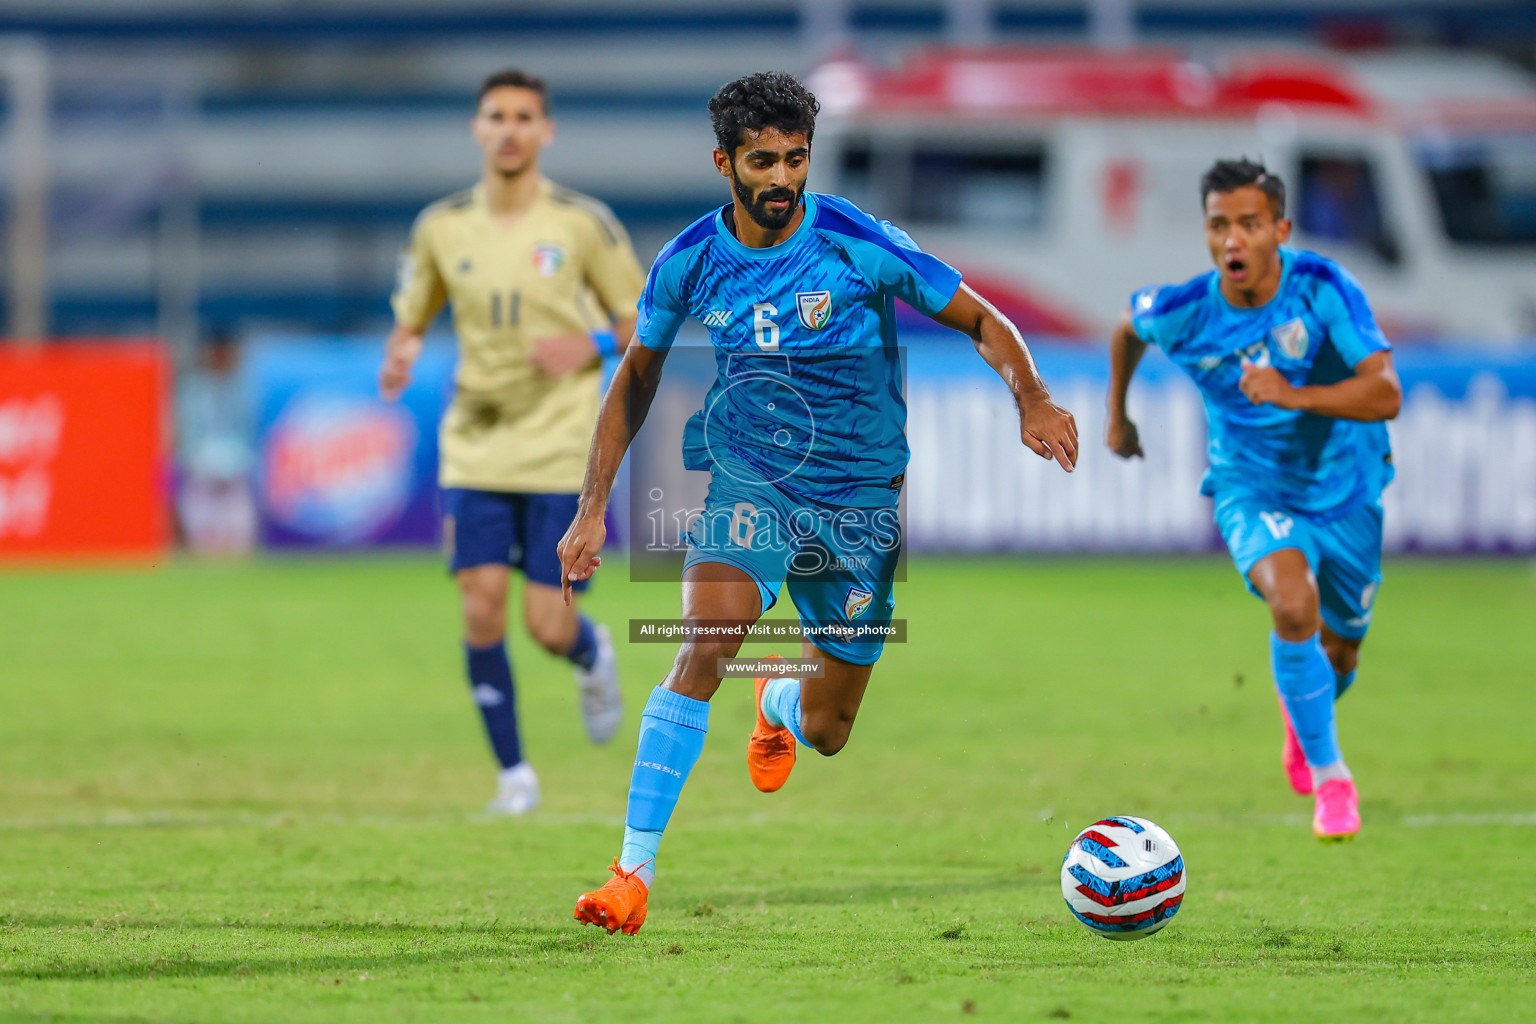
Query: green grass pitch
x=241 y=793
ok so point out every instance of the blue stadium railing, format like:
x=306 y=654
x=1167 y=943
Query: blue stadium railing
x=1436 y=20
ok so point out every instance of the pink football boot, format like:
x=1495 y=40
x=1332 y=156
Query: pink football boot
x=1292 y=758
x=1337 y=817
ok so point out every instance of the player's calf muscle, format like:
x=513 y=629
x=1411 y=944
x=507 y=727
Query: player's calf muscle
x=829 y=705
x=827 y=731
x=1342 y=653
x=696 y=672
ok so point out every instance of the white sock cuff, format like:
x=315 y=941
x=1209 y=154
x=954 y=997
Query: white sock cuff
x=1337 y=770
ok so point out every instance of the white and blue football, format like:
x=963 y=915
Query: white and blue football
x=1123 y=878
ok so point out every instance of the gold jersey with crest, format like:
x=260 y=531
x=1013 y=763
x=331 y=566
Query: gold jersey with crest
x=564 y=267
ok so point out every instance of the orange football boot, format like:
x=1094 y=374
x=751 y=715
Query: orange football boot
x=618 y=906
x=771 y=750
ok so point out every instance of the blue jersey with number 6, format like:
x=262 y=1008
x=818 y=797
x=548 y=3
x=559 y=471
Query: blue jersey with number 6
x=1316 y=330
x=808 y=391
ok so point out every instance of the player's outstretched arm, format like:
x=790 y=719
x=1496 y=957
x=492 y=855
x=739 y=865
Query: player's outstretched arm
x=1125 y=352
x=624 y=407
x=1373 y=393
x=401 y=351
x=1046 y=428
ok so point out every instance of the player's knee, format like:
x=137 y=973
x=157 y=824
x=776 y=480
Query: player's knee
x=1294 y=611
x=485 y=619
x=552 y=641
x=553 y=633
x=1343 y=655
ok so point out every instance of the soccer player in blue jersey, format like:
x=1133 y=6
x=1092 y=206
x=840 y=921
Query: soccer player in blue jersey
x=1297 y=380
x=803 y=436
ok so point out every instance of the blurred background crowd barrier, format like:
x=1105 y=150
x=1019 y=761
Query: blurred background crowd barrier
x=234 y=181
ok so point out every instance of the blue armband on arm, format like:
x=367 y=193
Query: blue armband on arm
x=605 y=341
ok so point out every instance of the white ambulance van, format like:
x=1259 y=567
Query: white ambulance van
x=1060 y=181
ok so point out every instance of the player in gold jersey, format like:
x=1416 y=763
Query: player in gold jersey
x=542 y=282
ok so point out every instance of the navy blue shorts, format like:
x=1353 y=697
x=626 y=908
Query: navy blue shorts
x=507 y=528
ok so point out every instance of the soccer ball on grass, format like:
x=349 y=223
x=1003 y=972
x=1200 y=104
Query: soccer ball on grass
x=1123 y=878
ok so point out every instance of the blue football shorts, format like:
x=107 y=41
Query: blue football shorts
x=840 y=563
x=1344 y=551
x=507 y=528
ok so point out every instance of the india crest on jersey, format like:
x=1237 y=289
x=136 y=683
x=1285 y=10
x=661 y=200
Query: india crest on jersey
x=815 y=309
x=857 y=601
x=1292 y=338
x=548 y=258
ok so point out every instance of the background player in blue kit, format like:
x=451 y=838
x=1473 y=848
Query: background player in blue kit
x=1297 y=381
x=803 y=435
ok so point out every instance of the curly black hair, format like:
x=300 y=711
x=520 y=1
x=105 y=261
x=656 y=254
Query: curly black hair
x=768 y=99
x=1231 y=175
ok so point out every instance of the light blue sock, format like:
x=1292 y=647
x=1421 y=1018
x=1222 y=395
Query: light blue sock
x=1342 y=681
x=672 y=729
x=1305 y=679
x=781 y=705
x=639 y=853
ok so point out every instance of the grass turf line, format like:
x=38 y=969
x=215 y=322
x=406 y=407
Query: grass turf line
x=249 y=793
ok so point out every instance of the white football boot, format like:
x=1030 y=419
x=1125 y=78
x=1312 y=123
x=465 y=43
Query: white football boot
x=517 y=791
x=602 y=706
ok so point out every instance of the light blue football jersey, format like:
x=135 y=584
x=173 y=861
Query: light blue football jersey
x=808 y=389
x=1315 y=330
